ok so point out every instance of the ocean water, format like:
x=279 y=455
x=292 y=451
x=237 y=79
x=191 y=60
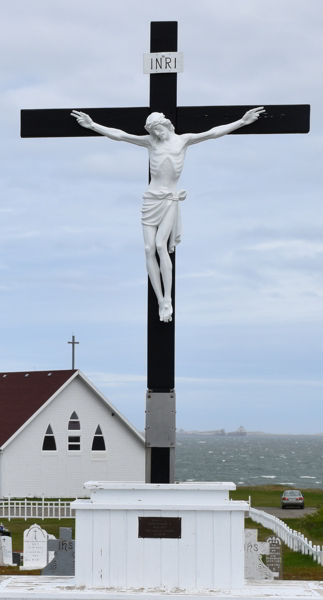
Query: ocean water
x=295 y=461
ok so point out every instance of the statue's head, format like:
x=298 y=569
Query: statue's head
x=156 y=119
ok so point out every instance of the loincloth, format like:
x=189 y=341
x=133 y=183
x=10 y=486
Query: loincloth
x=154 y=209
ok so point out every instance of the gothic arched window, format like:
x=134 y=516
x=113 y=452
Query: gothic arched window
x=74 y=441
x=49 y=443
x=98 y=440
x=74 y=422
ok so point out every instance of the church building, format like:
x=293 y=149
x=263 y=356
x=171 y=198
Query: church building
x=57 y=431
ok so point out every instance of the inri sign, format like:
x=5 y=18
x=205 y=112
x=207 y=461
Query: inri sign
x=164 y=62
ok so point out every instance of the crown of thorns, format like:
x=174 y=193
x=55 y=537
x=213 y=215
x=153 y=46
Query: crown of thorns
x=156 y=118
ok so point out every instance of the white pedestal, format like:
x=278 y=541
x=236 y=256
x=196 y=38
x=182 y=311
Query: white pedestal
x=208 y=555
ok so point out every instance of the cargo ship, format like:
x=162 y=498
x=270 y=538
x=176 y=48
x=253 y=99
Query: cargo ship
x=240 y=432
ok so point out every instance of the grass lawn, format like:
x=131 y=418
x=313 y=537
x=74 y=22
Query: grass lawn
x=297 y=566
x=269 y=495
x=16 y=571
x=18 y=526
x=311 y=526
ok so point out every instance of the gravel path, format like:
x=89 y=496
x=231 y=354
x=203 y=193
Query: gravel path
x=287 y=513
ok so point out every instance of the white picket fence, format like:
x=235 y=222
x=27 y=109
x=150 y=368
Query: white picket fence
x=27 y=509
x=292 y=538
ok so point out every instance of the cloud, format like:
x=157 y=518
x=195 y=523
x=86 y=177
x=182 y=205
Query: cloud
x=115 y=379
x=292 y=248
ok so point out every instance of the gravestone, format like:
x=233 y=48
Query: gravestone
x=35 y=548
x=63 y=562
x=6 y=550
x=253 y=551
x=5 y=547
x=50 y=553
x=16 y=558
x=274 y=558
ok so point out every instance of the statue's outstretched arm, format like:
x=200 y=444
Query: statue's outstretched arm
x=114 y=134
x=249 y=117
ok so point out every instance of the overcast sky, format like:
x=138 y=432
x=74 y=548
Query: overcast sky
x=249 y=335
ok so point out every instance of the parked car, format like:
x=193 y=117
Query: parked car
x=292 y=498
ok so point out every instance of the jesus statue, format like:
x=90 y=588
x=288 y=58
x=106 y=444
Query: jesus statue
x=160 y=209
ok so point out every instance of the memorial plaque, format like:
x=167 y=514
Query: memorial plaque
x=160 y=527
x=274 y=558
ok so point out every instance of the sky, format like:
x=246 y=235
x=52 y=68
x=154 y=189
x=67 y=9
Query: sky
x=249 y=290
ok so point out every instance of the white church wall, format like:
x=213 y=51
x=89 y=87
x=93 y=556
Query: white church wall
x=28 y=470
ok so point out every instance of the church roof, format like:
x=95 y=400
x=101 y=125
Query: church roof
x=23 y=394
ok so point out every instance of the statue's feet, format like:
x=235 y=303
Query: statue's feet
x=165 y=310
x=161 y=310
x=168 y=311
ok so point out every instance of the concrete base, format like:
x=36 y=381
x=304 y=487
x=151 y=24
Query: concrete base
x=28 y=587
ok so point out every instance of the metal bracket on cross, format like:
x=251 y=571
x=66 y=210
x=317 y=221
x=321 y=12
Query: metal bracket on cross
x=160 y=435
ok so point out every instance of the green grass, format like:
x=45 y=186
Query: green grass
x=311 y=526
x=18 y=526
x=269 y=495
x=296 y=566
x=16 y=571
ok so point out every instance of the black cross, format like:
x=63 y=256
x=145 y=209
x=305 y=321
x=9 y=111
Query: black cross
x=186 y=119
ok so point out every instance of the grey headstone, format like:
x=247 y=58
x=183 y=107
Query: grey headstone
x=16 y=558
x=274 y=558
x=63 y=562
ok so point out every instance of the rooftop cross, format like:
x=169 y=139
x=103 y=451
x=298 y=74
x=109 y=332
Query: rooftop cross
x=160 y=413
x=73 y=342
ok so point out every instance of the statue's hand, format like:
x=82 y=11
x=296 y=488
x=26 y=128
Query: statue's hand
x=252 y=115
x=82 y=119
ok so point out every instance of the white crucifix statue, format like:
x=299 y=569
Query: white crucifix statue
x=161 y=208
x=161 y=218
